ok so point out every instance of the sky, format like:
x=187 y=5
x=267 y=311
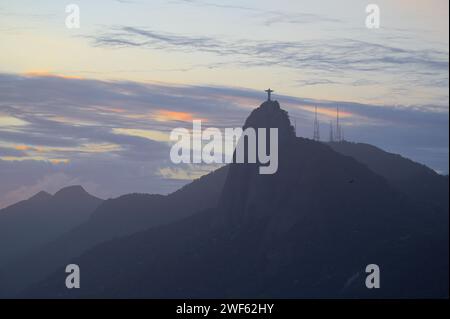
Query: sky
x=94 y=105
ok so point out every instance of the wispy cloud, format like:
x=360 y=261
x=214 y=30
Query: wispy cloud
x=354 y=61
x=268 y=17
x=110 y=134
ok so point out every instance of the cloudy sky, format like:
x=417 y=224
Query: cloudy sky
x=94 y=105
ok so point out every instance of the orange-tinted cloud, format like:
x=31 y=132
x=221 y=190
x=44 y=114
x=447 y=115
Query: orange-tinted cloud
x=28 y=148
x=22 y=147
x=59 y=161
x=166 y=115
x=47 y=74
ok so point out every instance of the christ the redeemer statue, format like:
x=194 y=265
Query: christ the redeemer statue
x=269 y=94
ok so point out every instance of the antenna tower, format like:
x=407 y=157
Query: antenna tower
x=316 y=127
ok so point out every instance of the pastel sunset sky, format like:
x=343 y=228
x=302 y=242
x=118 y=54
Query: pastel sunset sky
x=94 y=105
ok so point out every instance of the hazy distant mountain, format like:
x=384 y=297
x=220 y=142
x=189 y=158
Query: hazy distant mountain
x=42 y=218
x=307 y=231
x=114 y=218
x=416 y=180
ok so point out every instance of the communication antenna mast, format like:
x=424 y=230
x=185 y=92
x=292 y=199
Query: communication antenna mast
x=338 y=126
x=316 y=127
x=331 y=132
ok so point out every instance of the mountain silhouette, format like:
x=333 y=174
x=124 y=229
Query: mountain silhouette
x=415 y=180
x=304 y=232
x=114 y=218
x=42 y=218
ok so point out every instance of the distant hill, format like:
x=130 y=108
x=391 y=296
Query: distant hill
x=307 y=231
x=30 y=223
x=114 y=218
x=416 y=180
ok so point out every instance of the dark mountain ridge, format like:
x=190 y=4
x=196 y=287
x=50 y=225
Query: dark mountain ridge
x=114 y=218
x=307 y=231
x=42 y=218
x=419 y=182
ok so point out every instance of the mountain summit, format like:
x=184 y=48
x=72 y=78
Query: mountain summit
x=270 y=115
x=41 y=196
x=69 y=191
x=307 y=231
x=28 y=224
